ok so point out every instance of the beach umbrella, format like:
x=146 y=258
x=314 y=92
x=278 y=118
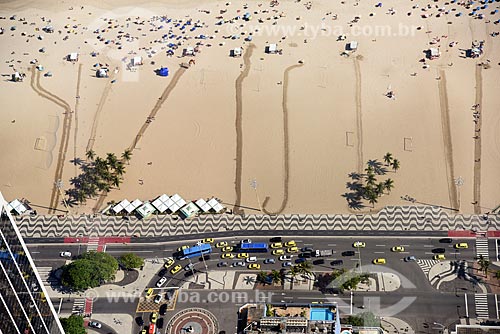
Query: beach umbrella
x=459 y=14
x=163 y=72
x=495 y=11
x=485 y=6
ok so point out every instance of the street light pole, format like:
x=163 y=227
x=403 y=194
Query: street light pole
x=351 y=304
x=254 y=186
x=459 y=182
x=359 y=259
x=59 y=184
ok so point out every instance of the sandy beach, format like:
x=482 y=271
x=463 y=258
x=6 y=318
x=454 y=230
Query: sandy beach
x=281 y=131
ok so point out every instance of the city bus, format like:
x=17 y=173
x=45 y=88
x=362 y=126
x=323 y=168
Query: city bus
x=195 y=251
x=253 y=247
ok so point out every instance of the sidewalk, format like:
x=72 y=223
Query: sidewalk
x=395 y=326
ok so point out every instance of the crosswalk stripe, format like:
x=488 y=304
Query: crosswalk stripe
x=44 y=273
x=482 y=248
x=481 y=301
x=78 y=305
x=426 y=265
x=92 y=244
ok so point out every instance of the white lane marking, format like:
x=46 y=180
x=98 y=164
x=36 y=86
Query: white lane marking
x=429 y=253
x=32 y=252
x=380 y=245
x=379 y=252
x=332 y=245
x=136 y=251
x=405 y=245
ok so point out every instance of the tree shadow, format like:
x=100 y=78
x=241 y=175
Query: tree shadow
x=77 y=161
x=378 y=167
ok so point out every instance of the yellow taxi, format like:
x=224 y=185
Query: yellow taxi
x=242 y=255
x=221 y=244
x=254 y=266
x=275 y=245
x=359 y=244
x=379 y=261
x=208 y=241
x=292 y=250
x=149 y=292
x=439 y=257
x=227 y=256
x=227 y=249
x=462 y=245
x=398 y=249
x=169 y=262
x=175 y=269
x=290 y=243
x=278 y=252
x=154 y=317
x=180 y=249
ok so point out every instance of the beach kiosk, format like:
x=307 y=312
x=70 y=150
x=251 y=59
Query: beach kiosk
x=352 y=46
x=102 y=73
x=272 y=48
x=136 y=61
x=433 y=53
x=72 y=57
x=236 y=52
x=145 y=210
x=188 y=52
x=189 y=210
x=16 y=77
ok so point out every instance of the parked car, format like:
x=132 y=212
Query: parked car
x=175 y=269
x=246 y=241
x=439 y=257
x=348 y=253
x=227 y=256
x=462 y=245
x=158 y=298
x=285 y=257
x=410 y=259
x=149 y=292
x=251 y=259
x=446 y=240
x=359 y=244
x=222 y=264
x=169 y=262
x=337 y=262
x=255 y=266
x=439 y=250
x=397 y=249
x=292 y=250
x=307 y=249
x=154 y=317
x=242 y=255
x=227 y=249
x=65 y=254
x=300 y=260
x=221 y=244
x=286 y=264
x=238 y=264
x=139 y=321
x=208 y=241
x=163 y=309
x=305 y=255
x=290 y=243
x=269 y=261
x=275 y=245
x=278 y=252
x=160 y=282
x=379 y=261
x=188 y=267
x=318 y=262
x=95 y=324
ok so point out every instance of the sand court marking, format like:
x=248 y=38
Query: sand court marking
x=359 y=116
x=477 y=143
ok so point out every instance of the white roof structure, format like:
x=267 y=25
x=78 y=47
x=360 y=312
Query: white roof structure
x=137 y=60
x=73 y=56
x=161 y=203
x=102 y=73
x=132 y=206
x=17 y=206
x=353 y=45
x=189 y=51
x=146 y=210
x=236 y=52
x=434 y=52
x=189 y=210
x=203 y=205
x=272 y=48
x=178 y=200
x=215 y=205
x=120 y=206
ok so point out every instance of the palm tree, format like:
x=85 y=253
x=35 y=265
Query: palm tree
x=304 y=268
x=127 y=155
x=111 y=160
x=90 y=154
x=276 y=276
x=396 y=164
x=369 y=169
x=261 y=277
x=497 y=274
x=119 y=168
x=372 y=197
x=370 y=179
x=388 y=158
x=380 y=188
x=389 y=184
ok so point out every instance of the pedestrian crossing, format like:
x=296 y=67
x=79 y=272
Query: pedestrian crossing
x=93 y=244
x=482 y=248
x=78 y=305
x=481 y=301
x=426 y=265
x=45 y=276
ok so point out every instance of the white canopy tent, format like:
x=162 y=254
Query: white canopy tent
x=203 y=205
x=17 y=206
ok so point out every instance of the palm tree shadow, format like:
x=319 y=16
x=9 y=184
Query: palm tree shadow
x=377 y=166
x=77 y=161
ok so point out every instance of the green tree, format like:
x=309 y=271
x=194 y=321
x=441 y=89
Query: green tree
x=131 y=261
x=127 y=155
x=89 y=271
x=388 y=158
x=365 y=319
x=484 y=264
x=379 y=189
x=389 y=184
x=304 y=268
x=497 y=274
x=396 y=164
x=261 y=277
x=90 y=154
x=73 y=324
x=276 y=276
x=370 y=179
x=111 y=159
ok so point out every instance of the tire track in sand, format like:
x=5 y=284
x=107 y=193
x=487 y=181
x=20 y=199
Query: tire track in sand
x=447 y=142
x=100 y=106
x=286 y=145
x=239 y=126
x=359 y=116
x=164 y=96
x=63 y=147
x=477 y=144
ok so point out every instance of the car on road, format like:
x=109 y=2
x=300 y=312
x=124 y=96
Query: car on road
x=238 y=264
x=227 y=249
x=348 y=253
x=242 y=255
x=397 y=249
x=300 y=260
x=275 y=239
x=305 y=255
x=292 y=250
x=246 y=241
x=95 y=324
x=255 y=266
x=286 y=264
x=275 y=245
x=221 y=244
x=175 y=269
x=359 y=244
x=446 y=240
x=139 y=321
x=337 y=263
x=208 y=241
x=163 y=309
x=410 y=259
x=439 y=257
x=269 y=261
x=462 y=245
x=439 y=250
x=144 y=331
x=158 y=298
x=65 y=254
x=222 y=264
x=251 y=259
x=188 y=267
x=180 y=249
x=227 y=256
x=169 y=262
x=154 y=317
x=307 y=249
x=160 y=282
x=149 y=292
x=278 y=252
x=379 y=261
x=290 y=243
x=318 y=262
x=285 y=257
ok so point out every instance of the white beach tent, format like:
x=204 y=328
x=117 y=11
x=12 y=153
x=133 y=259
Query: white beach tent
x=203 y=205
x=272 y=48
x=136 y=61
x=73 y=56
x=189 y=210
x=215 y=205
x=17 y=207
x=236 y=52
x=161 y=203
x=121 y=206
x=132 y=206
x=353 y=46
